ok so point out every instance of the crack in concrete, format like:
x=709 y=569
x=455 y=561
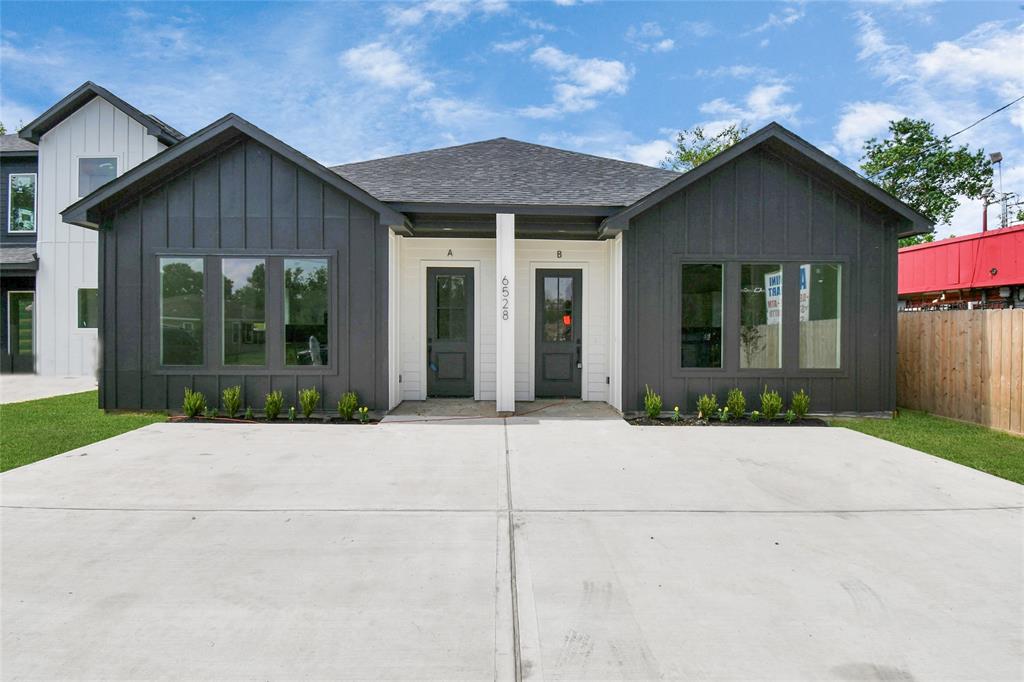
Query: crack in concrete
x=516 y=652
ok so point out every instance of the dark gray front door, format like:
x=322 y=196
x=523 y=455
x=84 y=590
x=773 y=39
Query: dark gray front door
x=559 y=354
x=450 y=332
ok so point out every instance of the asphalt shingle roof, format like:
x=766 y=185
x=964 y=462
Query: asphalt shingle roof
x=504 y=171
x=13 y=143
x=17 y=255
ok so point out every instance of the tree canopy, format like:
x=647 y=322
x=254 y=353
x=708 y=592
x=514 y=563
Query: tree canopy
x=695 y=146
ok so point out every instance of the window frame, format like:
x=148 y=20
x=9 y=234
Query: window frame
x=119 y=158
x=78 y=309
x=678 y=303
x=35 y=203
x=273 y=313
x=223 y=302
x=844 y=326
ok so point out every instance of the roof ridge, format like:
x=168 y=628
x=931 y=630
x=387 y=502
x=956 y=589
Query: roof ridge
x=417 y=153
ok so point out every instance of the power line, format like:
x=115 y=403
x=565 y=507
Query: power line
x=927 y=148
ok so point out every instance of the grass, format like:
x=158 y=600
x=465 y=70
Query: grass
x=978 y=447
x=37 y=429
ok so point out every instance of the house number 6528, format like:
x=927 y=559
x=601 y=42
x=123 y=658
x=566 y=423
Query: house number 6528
x=504 y=297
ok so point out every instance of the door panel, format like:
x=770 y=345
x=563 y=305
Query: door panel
x=20 y=319
x=559 y=334
x=450 y=332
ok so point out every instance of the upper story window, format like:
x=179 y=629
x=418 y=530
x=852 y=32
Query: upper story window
x=94 y=172
x=21 y=214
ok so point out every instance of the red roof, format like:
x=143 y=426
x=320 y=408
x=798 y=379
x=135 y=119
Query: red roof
x=976 y=261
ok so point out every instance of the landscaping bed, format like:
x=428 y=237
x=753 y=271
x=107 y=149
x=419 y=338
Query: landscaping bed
x=280 y=420
x=308 y=411
x=732 y=413
x=694 y=421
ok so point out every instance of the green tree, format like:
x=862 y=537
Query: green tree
x=694 y=147
x=3 y=128
x=924 y=170
x=917 y=239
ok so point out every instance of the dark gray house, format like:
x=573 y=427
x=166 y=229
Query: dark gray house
x=497 y=270
x=19 y=166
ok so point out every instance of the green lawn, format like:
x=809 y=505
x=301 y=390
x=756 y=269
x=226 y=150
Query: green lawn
x=38 y=429
x=993 y=452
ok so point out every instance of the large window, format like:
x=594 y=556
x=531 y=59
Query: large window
x=702 y=315
x=306 y=311
x=245 y=325
x=761 y=316
x=820 y=300
x=181 y=311
x=88 y=308
x=94 y=172
x=21 y=212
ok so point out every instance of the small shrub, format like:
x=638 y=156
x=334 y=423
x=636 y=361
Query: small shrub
x=291 y=413
x=231 y=400
x=707 y=406
x=736 y=402
x=249 y=416
x=364 y=414
x=755 y=416
x=675 y=413
x=347 y=405
x=194 y=403
x=652 y=403
x=724 y=415
x=801 y=404
x=211 y=413
x=272 y=405
x=309 y=398
x=790 y=416
x=771 y=403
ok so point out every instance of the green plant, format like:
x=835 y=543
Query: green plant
x=364 y=414
x=675 y=413
x=736 y=402
x=291 y=413
x=347 y=405
x=194 y=403
x=652 y=403
x=249 y=416
x=724 y=415
x=771 y=403
x=210 y=413
x=309 y=398
x=231 y=400
x=790 y=416
x=801 y=404
x=707 y=405
x=272 y=404
x=755 y=416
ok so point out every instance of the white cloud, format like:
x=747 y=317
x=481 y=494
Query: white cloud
x=448 y=12
x=738 y=71
x=699 y=29
x=863 y=120
x=764 y=102
x=383 y=66
x=789 y=16
x=649 y=36
x=616 y=144
x=517 y=45
x=578 y=81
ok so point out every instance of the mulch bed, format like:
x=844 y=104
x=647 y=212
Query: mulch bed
x=693 y=421
x=279 y=420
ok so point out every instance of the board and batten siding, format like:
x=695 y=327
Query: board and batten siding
x=68 y=254
x=761 y=207
x=244 y=201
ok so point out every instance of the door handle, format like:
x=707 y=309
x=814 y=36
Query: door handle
x=430 y=352
x=579 y=352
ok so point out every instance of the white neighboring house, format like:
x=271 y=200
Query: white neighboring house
x=87 y=139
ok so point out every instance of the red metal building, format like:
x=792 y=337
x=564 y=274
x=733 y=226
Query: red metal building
x=983 y=269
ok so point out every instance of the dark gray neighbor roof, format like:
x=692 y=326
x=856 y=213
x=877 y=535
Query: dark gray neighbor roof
x=18 y=258
x=773 y=134
x=83 y=94
x=13 y=143
x=505 y=172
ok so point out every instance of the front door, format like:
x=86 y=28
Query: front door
x=558 y=364
x=20 y=314
x=450 y=332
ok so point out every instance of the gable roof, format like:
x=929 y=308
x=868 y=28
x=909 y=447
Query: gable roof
x=14 y=145
x=773 y=133
x=81 y=96
x=504 y=172
x=86 y=211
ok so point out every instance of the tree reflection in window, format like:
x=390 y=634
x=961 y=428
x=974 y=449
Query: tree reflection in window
x=245 y=326
x=306 y=314
x=181 y=311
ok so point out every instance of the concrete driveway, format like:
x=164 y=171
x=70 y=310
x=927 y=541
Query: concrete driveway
x=204 y=551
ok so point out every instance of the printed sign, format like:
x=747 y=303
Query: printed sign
x=773 y=296
x=805 y=292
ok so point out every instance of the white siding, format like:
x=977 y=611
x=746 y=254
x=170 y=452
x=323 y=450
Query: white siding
x=68 y=255
x=418 y=254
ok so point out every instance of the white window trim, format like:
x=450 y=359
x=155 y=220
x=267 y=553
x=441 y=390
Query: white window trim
x=78 y=172
x=35 y=203
x=92 y=331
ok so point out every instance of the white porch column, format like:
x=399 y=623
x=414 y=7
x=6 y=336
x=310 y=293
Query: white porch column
x=505 y=239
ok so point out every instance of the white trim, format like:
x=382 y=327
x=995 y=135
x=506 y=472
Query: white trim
x=585 y=350
x=615 y=323
x=505 y=307
x=422 y=343
x=394 y=320
x=8 y=320
x=35 y=204
x=77 y=169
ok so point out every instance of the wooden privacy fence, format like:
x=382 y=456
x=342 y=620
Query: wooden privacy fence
x=964 y=364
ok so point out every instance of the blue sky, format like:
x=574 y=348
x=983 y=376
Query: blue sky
x=349 y=81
